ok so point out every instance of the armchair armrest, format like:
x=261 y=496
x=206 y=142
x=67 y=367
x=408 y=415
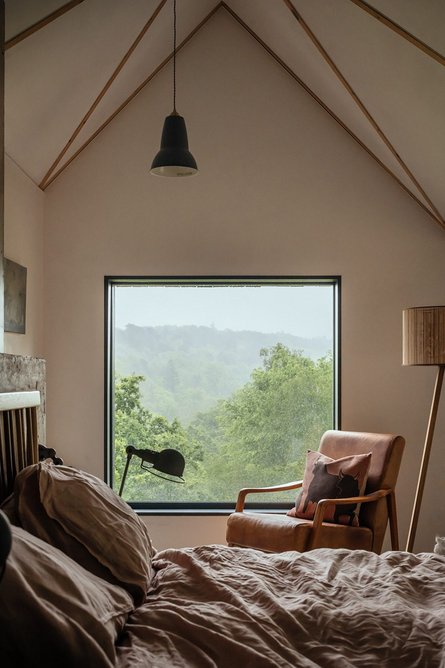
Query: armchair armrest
x=259 y=490
x=368 y=498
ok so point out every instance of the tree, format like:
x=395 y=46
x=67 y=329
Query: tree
x=265 y=428
x=258 y=436
x=137 y=426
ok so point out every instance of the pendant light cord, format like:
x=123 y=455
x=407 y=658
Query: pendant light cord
x=174 y=56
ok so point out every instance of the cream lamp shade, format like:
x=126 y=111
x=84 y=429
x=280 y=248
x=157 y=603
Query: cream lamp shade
x=424 y=335
x=424 y=345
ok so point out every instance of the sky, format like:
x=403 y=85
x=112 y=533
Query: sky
x=303 y=311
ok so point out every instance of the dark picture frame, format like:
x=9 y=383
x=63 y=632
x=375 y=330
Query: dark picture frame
x=15 y=297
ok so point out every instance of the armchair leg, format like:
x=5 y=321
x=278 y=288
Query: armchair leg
x=392 y=514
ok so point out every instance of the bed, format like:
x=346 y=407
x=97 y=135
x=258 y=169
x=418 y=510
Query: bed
x=83 y=585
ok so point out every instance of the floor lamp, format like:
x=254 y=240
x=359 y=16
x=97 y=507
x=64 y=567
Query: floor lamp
x=424 y=345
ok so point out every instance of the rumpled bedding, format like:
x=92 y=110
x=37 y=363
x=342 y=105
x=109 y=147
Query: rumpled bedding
x=215 y=606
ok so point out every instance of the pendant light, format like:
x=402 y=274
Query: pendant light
x=174 y=157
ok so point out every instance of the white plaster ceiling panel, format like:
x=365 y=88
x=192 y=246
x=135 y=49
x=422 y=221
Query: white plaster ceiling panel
x=403 y=88
x=53 y=75
x=425 y=19
x=296 y=49
x=21 y=14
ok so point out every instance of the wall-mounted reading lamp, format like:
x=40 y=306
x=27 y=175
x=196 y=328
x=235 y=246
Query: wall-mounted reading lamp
x=5 y=541
x=167 y=464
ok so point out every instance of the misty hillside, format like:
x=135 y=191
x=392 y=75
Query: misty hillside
x=187 y=369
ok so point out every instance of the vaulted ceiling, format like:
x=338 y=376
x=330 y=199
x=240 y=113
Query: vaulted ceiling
x=376 y=67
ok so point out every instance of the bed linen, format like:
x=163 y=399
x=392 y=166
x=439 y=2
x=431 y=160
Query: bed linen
x=215 y=606
x=209 y=606
x=53 y=612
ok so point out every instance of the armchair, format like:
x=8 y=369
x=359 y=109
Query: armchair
x=274 y=532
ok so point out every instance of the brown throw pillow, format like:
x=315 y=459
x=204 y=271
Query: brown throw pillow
x=55 y=613
x=326 y=478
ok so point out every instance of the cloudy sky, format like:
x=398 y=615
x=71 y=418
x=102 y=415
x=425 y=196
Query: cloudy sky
x=305 y=311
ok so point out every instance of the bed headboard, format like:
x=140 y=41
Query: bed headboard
x=18 y=436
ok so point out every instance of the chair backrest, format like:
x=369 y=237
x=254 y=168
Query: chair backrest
x=387 y=450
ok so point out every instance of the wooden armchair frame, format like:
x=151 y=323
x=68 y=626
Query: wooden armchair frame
x=323 y=504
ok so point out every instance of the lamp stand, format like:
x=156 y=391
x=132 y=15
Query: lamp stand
x=127 y=464
x=425 y=458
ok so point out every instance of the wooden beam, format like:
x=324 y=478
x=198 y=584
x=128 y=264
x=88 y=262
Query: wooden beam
x=133 y=95
x=102 y=93
x=276 y=57
x=42 y=23
x=400 y=31
x=361 y=105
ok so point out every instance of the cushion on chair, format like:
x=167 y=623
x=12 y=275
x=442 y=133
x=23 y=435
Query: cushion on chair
x=279 y=533
x=327 y=478
x=387 y=450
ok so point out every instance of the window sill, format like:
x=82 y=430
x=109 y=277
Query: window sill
x=204 y=512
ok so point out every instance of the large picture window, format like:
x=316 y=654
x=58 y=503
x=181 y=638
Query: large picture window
x=238 y=375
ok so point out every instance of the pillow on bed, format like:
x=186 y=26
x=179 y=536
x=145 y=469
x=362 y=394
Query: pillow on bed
x=326 y=478
x=80 y=514
x=36 y=521
x=55 y=613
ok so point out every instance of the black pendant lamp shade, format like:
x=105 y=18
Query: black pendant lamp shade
x=174 y=157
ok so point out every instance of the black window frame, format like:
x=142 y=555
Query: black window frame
x=210 y=508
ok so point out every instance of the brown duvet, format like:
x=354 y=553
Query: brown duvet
x=218 y=606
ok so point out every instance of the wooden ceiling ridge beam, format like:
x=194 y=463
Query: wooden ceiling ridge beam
x=395 y=27
x=42 y=23
x=361 y=105
x=280 y=61
x=102 y=93
x=132 y=96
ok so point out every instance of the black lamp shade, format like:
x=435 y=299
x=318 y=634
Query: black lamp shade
x=174 y=157
x=170 y=461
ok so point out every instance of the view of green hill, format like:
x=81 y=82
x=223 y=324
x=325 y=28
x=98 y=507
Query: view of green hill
x=189 y=368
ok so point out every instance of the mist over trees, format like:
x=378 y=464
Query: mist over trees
x=257 y=434
x=187 y=369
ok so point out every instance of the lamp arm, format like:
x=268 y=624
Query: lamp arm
x=143 y=453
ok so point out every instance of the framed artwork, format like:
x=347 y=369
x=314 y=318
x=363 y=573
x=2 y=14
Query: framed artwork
x=15 y=297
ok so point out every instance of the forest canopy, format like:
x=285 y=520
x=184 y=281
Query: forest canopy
x=256 y=436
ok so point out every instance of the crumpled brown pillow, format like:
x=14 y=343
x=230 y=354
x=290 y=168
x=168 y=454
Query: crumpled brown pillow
x=81 y=515
x=55 y=613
